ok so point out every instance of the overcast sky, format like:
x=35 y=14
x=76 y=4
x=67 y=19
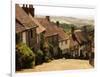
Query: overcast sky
x=69 y=11
x=65 y=11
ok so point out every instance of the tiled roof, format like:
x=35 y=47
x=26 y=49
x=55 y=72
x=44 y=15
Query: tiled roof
x=62 y=35
x=19 y=27
x=50 y=31
x=79 y=36
x=22 y=17
x=72 y=43
x=40 y=27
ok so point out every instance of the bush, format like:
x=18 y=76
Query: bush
x=25 y=58
x=47 y=55
x=55 y=51
x=39 y=57
x=46 y=51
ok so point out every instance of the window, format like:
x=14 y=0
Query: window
x=31 y=33
x=66 y=42
x=18 y=38
x=62 y=43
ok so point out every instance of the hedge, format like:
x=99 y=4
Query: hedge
x=39 y=57
x=25 y=58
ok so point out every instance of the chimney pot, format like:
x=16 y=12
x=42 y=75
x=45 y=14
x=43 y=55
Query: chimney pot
x=84 y=28
x=30 y=6
x=26 y=6
x=31 y=10
x=23 y=5
x=48 y=18
x=72 y=29
x=57 y=23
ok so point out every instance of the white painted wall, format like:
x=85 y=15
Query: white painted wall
x=63 y=45
x=24 y=37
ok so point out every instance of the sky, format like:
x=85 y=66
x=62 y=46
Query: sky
x=65 y=11
x=68 y=11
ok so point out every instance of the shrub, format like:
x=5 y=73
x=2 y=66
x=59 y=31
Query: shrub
x=46 y=51
x=25 y=58
x=47 y=55
x=39 y=57
x=55 y=51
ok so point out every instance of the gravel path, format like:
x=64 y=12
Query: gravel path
x=60 y=64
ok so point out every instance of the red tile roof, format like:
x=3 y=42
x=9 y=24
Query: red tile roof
x=79 y=36
x=49 y=28
x=22 y=17
x=72 y=43
x=62 y=35
x=52 y=29
x=19 y=27
x=40 y=27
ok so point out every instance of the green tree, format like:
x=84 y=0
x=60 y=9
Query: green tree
x=25 y=58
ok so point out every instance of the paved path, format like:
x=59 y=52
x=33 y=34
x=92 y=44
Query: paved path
x=61 y=64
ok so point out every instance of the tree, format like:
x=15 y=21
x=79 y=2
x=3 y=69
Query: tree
x=25 y=58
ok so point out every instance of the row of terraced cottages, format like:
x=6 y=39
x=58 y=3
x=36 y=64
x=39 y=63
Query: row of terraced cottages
x=41 y=33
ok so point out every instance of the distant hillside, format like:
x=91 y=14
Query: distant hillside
x=71 y=20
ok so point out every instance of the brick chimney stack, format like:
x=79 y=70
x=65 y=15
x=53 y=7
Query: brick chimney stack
x=48 y=18
x=31 y=10
x=85 y=29
x=72 y=29
x=85 y=33
x=25 y=8
x=23 y=5
x=57 y=23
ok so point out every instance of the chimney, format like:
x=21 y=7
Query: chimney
x=57 y=23
x=85 y=29
x=85 y=32
x=72 y=29
x=48 y=18
x=23 y=5
x=25 y=8
x=31 y=10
